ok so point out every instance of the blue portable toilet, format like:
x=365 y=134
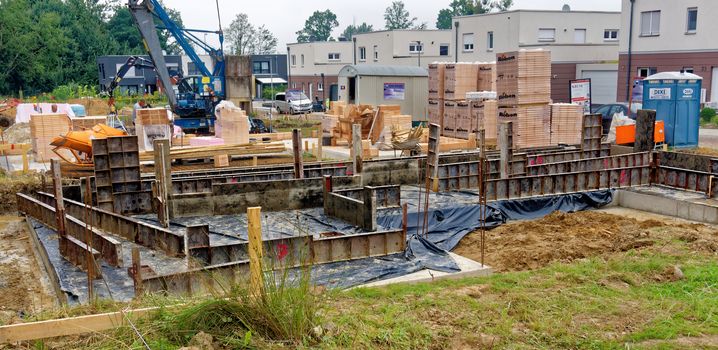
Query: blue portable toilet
x=676 y=98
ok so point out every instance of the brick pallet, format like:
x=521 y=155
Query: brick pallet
x=436 y=112
x=486 y=77
x=566 y=119
x=449 y=122
x=151 y=124
x=43 y=129
x=523 y=77
x=462 y=120
x=484 y=115
x=436 y=80
x=232 y=125
x=460 y=78
x=531 y=124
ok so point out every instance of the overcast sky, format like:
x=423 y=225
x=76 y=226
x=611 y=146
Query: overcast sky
x=285 y=17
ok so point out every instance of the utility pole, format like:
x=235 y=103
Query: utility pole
x=420 y=48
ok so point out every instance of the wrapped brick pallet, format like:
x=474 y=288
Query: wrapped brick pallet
x=43 y=129
x=460 y=78
x=523 y=77
x=487 y=77
x=484 y=116
x=566 y=119
x=436 y=80
x=436 y=112
x=462 y=120
x=449 y=125
x=151 y=124
x=232 y=124
x=531 y=124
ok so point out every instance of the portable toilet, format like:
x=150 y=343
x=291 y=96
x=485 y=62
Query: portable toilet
x=676 y=98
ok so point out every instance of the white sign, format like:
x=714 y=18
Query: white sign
x=659 y=93
x=581 y=94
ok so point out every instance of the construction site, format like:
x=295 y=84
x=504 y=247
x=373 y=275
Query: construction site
x=495 y=206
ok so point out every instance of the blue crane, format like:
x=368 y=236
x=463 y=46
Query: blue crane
x=195 y=107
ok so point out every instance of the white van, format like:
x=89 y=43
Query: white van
x=292 y=102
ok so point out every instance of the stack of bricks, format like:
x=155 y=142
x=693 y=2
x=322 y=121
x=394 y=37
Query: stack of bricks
x=436 y=93
x=436 y=112
x=151 y=124
x=43 y=129
x=463 y=120
x=523 y=87
x=566 y=119
x=484 y=116
x=232 y=125
x=487 y=77
x=449 y=123
x=460 y=78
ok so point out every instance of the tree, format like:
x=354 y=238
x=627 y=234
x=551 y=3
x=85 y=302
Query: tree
x=124 y=31
x=318 y=27
x=351 y=30
x=397 y=17
x=246 y=39
x=467 y=8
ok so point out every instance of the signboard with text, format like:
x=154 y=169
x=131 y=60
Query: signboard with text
x=581 y=94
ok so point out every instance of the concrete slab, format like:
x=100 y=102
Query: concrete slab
x=469 y=268
x=660 y=200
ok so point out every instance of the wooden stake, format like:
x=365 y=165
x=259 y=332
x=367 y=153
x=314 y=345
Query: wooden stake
x=504 y=148
x=137 y=271
x=254 y=232
x=356 y=148
x=163 y=179
x=297 y=149
x=254 y=161
x=320 y=140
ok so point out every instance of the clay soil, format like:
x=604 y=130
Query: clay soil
x=23 y=287
x=566 y=237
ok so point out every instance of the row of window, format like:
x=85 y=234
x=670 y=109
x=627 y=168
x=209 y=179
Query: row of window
x=320 y=87
x=651 y=22
x=332 y=56
x=544 y=35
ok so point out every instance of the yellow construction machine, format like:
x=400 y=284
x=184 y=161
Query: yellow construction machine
x=78 y=144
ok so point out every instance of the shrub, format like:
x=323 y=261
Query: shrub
x=707 y=114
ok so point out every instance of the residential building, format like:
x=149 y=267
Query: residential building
x=191 y=68
x=668 y=35
x=314 y=67
x=136 y=80
x=402 y=47
x=268 y=70
x=583 y=44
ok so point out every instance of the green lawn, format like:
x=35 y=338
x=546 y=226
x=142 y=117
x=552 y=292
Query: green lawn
x=621 y=300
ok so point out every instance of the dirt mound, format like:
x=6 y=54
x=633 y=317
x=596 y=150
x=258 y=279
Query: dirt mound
x=12 y=184
x=557 y=237
x=18 y=133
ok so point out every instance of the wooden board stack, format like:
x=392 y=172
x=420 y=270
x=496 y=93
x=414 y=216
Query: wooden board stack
x=43 y=129
x=232 y=125
x=460 y=78
x=566 y=119
x=151 y=124
x=436 y=80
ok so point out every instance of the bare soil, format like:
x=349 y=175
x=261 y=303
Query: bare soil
x=566 y=237
x=23 y=287
x=12 y=184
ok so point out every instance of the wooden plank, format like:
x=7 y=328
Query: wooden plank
x=298 y=153
x=254 y=233
x=71 y=326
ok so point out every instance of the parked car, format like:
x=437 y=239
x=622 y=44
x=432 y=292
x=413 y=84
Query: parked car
x=257 y=126
x=608 y=110
x=292 y=102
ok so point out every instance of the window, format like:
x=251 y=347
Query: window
x=320 y=87
x=490 y=41
x=131 y=73
x=646 y=71
x=610 y=35
x=294 y=60
x=692 y=22
x=302 y=60
x=468 y=42
x=650 y=23
x=444 y=50
x=261 y=67
x=579 y=36
x=416 y=48
x=547 y=34
x=362 y=53
x=376 y=52
x=334 y=56
x=688 y=69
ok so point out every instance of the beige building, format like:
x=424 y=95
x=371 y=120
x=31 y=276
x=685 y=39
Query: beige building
x=309 y=62
x=668 y=35
x=402 y=47
x=583 y=44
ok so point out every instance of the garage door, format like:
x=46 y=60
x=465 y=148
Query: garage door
x=603 y=85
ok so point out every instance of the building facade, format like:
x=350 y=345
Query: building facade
x=313 y=67
x=137 y=81
x=668 y=35
x=402 y=47
x=268 y=70
x=583 y=44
